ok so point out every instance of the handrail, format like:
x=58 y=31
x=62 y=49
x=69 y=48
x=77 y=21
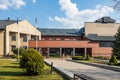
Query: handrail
x=83 y=77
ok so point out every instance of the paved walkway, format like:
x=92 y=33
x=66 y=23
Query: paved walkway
x=95 y=72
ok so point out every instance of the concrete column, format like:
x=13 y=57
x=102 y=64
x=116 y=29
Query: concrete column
x=7 y=46
x=85 y=54
x=48 y=52
x=40 y=50
x=60 y=52
x=73 y=54
x=27 y=41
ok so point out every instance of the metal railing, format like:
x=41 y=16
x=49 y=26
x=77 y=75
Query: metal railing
x=82 y=77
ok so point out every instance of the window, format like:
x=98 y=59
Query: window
x=46 y=38
x=25 y=38
x=25 y=47
x=105 y=44
x=62 y=39
x=13 y=37
x=53 y=38
x=13 y=47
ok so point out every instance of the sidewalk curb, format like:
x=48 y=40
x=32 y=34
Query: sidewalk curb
x=68 y=74
x=114 y=68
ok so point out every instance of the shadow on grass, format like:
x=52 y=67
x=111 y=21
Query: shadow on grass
x=10 y=66
x=11 y=73
x=15 y=63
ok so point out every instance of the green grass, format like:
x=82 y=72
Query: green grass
x=98 y=61
x=9 y=70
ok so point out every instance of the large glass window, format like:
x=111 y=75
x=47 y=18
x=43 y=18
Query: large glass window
x=13 y=37
x=13 y=47
x=105 y=44
x=25 y=47
x=25 y=38
x=54 y=39
x=62 y=39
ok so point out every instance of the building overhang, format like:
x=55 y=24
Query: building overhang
x=100 y=38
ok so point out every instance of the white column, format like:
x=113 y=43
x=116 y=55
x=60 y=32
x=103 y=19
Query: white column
x=73 y=52
x=60 y=52
x=48 y=52
x=7 y=50
x=27 y=41
x=18 y=43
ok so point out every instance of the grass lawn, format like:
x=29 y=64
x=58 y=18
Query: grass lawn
x=98 y=61
x=9 y=70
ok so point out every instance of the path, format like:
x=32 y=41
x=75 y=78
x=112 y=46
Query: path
x=94 y=72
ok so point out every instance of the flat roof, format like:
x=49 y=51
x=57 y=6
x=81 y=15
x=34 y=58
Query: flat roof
x=61 y=32
x=100 y=38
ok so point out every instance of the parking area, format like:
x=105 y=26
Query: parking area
x=94 y=72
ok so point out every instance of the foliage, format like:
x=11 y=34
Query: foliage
x=77 y=58
x=113 y=60
x=33 y=62
x=21 y=51
x=9 y=70
x=16 y=56
x=116 y=45
x=88 y=57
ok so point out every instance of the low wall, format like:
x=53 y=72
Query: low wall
x=114 y=68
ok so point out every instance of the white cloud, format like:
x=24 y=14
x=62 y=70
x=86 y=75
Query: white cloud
x=75 y=17
x=34 y=1
x=16 y=4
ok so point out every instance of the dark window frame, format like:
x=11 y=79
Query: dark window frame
x=105 y=44
x=25 y=38
x=13 y=37
x=13 y=47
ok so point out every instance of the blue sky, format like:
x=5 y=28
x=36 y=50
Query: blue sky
x=56 y=13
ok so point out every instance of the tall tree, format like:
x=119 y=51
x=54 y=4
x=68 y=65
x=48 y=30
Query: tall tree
x=116 y=44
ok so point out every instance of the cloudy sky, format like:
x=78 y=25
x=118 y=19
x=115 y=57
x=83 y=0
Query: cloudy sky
x=57 y=13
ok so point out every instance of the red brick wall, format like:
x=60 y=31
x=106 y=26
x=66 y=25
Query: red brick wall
x=96 y=50
x=106 y=52
x=59 y=37
x=67 y=44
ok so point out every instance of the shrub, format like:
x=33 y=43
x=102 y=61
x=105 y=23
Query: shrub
x=16 y=56
x=77 y=58
x=113 y=60
x=21 y=51
x=33 y=62
x=88 y=57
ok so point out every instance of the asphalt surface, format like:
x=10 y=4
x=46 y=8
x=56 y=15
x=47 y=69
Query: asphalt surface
x=94 y=72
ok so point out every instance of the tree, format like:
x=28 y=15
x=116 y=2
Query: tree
x=88 y=57
x=112 y=60
x=21 y=51
x=116 y=44
x=33 y=62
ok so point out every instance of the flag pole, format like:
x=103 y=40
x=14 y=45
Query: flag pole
x=18 y=38
x=36 y=31
x=27 y=35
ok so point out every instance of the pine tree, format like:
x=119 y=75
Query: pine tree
x=112 y=60
x=116 y=44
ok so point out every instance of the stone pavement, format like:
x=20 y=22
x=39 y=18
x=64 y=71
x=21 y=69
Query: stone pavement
x=94 y=72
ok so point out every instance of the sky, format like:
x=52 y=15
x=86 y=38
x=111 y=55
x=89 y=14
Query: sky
x=57 y=13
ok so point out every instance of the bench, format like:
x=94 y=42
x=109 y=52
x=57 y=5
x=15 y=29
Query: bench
x=83 y=77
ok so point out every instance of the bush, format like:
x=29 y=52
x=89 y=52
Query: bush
x=113 y=60
x=21 y=51
x=87 y=57
x=77 y=58
x=16 y=56
x=33 y=62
